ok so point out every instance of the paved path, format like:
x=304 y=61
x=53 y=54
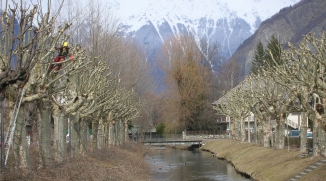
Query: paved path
x=308 y=169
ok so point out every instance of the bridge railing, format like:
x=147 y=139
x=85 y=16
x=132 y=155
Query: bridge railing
x=219 y=132
x=161 y=138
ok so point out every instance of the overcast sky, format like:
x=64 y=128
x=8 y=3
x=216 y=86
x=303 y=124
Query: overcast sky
x=130 y=12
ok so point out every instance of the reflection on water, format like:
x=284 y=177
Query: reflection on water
x=180 y=165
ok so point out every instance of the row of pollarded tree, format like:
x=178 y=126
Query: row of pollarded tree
x=85 y=90
x=294 y=81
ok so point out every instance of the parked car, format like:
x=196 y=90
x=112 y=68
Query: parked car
x=297 y=134
x=309 y=135
x=294 y=133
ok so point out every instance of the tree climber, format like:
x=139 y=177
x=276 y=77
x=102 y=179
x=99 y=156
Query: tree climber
x=63 y=54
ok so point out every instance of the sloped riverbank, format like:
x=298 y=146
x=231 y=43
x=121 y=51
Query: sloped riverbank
x=268 y=164
x=117 y=163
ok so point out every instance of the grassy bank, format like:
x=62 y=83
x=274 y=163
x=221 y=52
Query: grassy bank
x=125 y=163
x=266 y=164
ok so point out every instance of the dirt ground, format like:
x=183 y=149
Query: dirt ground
x=266 y=164
x=124 y=163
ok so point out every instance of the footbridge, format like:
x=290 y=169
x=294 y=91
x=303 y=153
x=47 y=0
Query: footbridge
x=165 y=142
x=170 y=139
x=191 y=138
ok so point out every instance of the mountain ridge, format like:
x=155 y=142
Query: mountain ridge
x=224 y=22
x=288 y=25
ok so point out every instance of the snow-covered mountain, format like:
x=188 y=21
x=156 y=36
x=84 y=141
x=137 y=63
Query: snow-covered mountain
x=226 y=22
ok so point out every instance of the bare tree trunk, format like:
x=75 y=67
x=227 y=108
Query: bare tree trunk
x=21 y=151
x=236 y=129
x=121 y=131
x=249 y=139
x=242 y=130
x=114 y=132
x=316 y=149
x=108 y=140
x=318 y=136
x=94 y=133
x=117 y=131
x=303 y=140
x=260 y=135
x=74 y=136
x=111 y=133
x=83 y=137
x=232 y=128
x=322 y=140
x=108 y=136
x=60 y=127
x=100 y=134
x=280 y=133
x=44 y=115
x=267 y=132
x=126 y=130
x=277 y=133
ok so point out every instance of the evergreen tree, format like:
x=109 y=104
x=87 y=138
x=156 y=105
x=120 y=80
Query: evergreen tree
x=267 y=58
x=258 y=60
x=273 y=52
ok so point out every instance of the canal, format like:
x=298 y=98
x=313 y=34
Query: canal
x=180 y=165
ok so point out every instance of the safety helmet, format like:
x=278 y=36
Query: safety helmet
x=65 y=44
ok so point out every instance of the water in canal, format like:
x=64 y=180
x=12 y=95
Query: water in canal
x=181 y=165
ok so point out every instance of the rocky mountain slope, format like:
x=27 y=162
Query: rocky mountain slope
x=225 y=22
x=288 y=25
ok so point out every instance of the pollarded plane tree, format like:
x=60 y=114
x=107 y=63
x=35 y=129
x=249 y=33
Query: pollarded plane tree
x=240 y=108
x=305 y=72
x=289 y=77
x=318 y=53
x=250 y=102
x=221 y=106
x=261 y=117
x=277 y=100
x=109 y=124
x=105 y=116
x=300 y=95
x=134 y=106
x=234 y=116
x=45 y=89
x=26 y=51
x=20 y=43
x=127 y=110
x=102 y=38
x=66 y=99
x=107 y=104
x=82 y=99
x=229 y=105
x=259 y=110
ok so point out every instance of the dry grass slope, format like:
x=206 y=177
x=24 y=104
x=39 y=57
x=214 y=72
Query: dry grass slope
x=265 y=164
x=125 y=163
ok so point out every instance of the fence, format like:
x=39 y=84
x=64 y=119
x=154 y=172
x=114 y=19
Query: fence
x=219 y=132
x=178 y=137
x=160 y=138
